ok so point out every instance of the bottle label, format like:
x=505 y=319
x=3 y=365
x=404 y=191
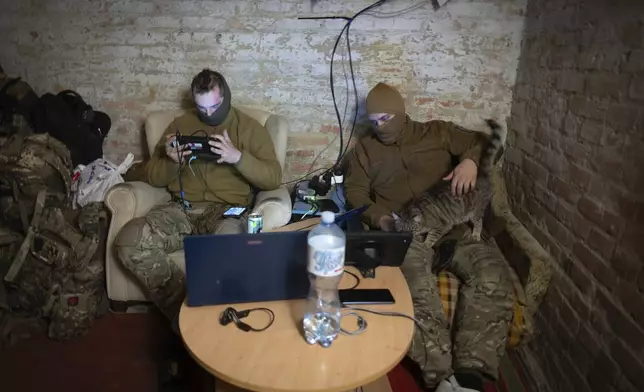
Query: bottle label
x=326 y=262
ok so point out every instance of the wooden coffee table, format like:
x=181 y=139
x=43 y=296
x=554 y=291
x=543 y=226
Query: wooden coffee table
x=279 y=360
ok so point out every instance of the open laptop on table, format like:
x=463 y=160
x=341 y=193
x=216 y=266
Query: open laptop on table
x=242 y=268
x=239 y=268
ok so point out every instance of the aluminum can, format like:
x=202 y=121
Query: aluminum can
x=255 y=223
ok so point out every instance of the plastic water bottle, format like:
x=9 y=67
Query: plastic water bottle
x=327 y=244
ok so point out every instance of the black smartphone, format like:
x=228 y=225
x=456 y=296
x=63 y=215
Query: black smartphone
x=366 y=297
x=234 y=211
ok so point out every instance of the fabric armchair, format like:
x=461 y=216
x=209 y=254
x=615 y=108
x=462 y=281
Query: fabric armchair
x=133 y=199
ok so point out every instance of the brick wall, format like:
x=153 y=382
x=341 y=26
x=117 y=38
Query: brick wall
x=575 y=174
x=129 y=58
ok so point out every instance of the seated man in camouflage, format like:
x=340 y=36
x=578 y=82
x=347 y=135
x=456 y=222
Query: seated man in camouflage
x=247 y=162
x=389 y=168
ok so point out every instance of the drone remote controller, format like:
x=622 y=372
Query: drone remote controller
x=199 y=147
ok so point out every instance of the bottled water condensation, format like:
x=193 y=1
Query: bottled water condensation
x=326 y=249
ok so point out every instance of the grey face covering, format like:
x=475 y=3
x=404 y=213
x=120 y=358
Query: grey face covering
x=219 y=115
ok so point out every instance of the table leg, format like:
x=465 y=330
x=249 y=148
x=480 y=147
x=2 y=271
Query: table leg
x=380 y=385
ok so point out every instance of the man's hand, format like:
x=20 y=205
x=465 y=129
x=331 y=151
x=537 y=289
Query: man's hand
x=221 y=144
x=463 y=177
x=386 y=223
x=173 y=151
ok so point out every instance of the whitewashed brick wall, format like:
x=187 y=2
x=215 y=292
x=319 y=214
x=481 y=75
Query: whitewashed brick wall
x=130 y=57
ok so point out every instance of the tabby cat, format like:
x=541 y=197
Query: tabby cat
x=438 y=211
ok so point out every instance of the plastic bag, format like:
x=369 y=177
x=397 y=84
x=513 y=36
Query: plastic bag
x=92 y=182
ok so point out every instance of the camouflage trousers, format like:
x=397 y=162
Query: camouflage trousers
x=483 y=313
x=144 y=246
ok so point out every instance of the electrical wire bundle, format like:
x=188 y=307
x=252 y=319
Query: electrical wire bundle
x=182 y=196
x=345 y=32
x=185 y=204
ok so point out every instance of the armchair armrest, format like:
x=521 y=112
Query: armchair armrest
x=129 y=200
x=134 y=198
x=274 y=206
x=126 y=201
x=540 y=270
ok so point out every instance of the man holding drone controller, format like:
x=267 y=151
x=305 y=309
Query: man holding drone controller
x=205 y=181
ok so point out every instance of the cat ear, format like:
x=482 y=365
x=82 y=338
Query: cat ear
x=418 y=218
x=396 y=217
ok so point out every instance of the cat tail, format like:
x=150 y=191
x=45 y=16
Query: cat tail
x=493 y=145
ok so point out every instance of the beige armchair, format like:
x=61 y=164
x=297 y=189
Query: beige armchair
x=134 y=199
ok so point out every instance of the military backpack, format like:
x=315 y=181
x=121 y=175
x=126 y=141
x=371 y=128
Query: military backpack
x=56 y=269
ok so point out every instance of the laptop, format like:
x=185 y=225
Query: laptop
x=241 y=268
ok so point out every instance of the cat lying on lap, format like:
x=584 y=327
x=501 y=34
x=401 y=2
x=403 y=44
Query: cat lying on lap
x=438 y=211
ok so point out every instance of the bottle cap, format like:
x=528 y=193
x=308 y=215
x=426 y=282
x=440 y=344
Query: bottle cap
x=328 y=217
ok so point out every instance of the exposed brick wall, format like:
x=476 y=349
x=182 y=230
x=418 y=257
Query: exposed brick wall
x=575 y=174
x=132 y=57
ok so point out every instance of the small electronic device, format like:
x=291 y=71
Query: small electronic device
x=382 y=247
x=234 y=211
x=199 y=147
x=321 y=184
x=366 y=297
x=367 y=250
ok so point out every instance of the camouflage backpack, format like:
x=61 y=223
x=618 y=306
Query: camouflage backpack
x=29 y=164
x=56 y=273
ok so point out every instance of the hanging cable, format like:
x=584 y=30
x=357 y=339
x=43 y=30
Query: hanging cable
x=344 y=117
x=369 y=10
x=180 y=160
x=345 y=30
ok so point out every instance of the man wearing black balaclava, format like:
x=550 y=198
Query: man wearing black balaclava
x=247 y=162
x=395 y=164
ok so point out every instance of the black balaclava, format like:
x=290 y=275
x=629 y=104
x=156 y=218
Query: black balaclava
x=386 y=99
x=219 y=115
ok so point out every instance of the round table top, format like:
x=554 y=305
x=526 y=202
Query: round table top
x=279 y=359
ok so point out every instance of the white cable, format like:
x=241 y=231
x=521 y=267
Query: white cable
x=419 y=325
x=362 y=324
x=192 y=158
